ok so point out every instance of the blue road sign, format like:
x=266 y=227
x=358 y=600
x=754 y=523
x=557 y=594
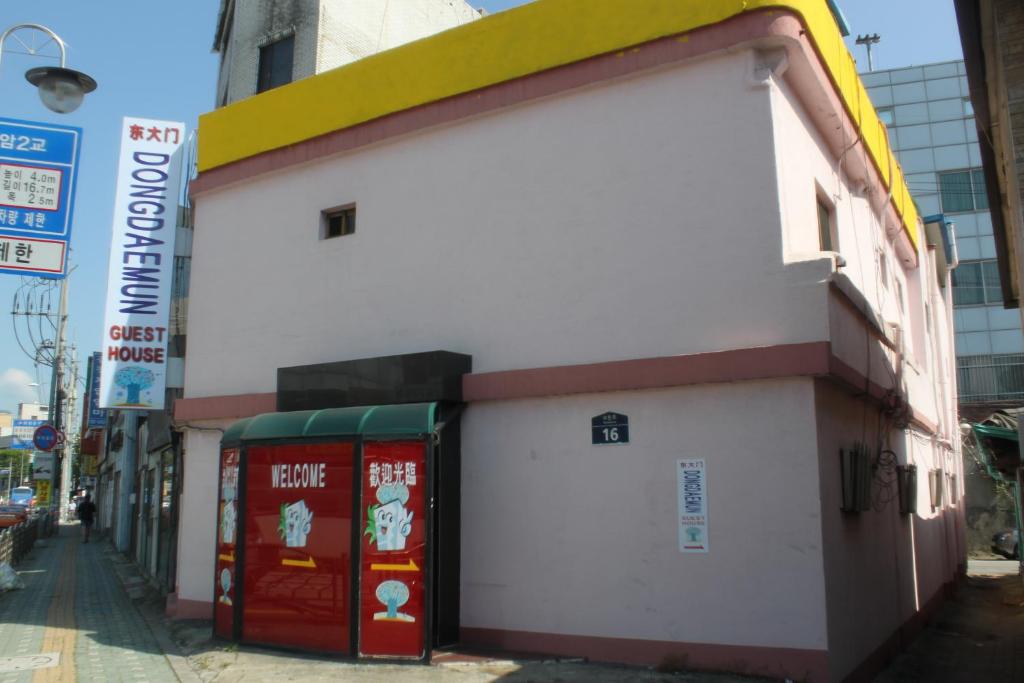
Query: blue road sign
x=97 y=415
x=23 y=432
x=38 y=174
x=45 y=437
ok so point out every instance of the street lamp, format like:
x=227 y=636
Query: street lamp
x=61 y=89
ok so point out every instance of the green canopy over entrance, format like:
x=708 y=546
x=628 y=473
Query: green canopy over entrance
x=408 y=420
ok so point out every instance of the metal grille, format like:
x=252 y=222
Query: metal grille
x=997 y=377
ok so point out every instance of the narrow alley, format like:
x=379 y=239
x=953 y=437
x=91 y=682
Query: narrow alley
x=978 y=635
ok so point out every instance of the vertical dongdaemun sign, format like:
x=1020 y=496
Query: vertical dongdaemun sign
x=134 y=369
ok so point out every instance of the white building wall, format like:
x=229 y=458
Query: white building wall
x=868 y=599
x=559 y=536
x=259 y=22
x=666 y=242
x=198 y=515
x=688 y=226
x=881 y=566
x=899 y=294
x=934 y=132
x=328 y=34
x=32 y=411
x=353 y=29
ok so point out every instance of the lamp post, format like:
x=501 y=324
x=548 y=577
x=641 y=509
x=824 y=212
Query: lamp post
x=867 y=41
x=61 y=90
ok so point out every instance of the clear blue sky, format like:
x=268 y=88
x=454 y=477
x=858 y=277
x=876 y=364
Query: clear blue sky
x=153 y=60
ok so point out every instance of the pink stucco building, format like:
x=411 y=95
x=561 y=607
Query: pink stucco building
x=681 y=212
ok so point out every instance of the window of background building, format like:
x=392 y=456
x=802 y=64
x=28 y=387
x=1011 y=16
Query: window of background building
x=968 y=107
x=826 y=227
x=997 y=377
x=976 y=282
x=275 y=64
x=886 y=115
x=963 y=191
x=338 y=222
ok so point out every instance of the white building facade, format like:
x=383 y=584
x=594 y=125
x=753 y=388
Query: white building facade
x=267 y=43
x=659 y=217
x=931 y=126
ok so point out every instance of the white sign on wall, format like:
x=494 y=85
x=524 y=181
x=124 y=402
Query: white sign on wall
x=692 y=485
x=134 y=367
x=42 y=466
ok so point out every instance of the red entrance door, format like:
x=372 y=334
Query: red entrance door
x=298 y=546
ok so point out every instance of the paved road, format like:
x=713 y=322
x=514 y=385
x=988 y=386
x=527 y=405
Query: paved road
x=74 y=612
x=992 y=567
x=977 y=637
x=74 y=621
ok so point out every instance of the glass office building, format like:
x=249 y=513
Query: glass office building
x=931 y=127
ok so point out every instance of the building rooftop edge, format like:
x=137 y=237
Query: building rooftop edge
x=513 y=44
x=908 y=67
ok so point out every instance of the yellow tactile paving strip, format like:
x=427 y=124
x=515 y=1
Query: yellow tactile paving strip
x=60 y=633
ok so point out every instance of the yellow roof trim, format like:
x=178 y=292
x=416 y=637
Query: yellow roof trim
x=511 y=44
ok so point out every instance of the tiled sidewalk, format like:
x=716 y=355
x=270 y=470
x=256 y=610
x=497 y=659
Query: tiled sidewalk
x=100 y=634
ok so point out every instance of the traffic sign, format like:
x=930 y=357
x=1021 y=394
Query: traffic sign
x=42 y=466
x=45 y=437
x=38 y=174
x=23 y=431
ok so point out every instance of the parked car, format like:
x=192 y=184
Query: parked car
x=1007 y=544
x=12 y=514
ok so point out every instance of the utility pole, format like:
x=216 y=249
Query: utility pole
x=66 y=485
x=867 y=41
x=57 y=395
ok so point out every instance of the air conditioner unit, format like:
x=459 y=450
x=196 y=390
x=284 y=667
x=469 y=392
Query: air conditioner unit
x=857 y=472
x=906 y=485
x=936 y=482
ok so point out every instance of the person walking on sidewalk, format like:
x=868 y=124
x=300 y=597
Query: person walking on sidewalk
x=86 y=515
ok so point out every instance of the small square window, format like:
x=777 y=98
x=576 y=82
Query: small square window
x=968 y=107
x=338 y=222
x=885 y=114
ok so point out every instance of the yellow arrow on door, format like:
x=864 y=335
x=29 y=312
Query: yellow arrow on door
x=409 y=567
x=299 y=563
x=230 y=557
